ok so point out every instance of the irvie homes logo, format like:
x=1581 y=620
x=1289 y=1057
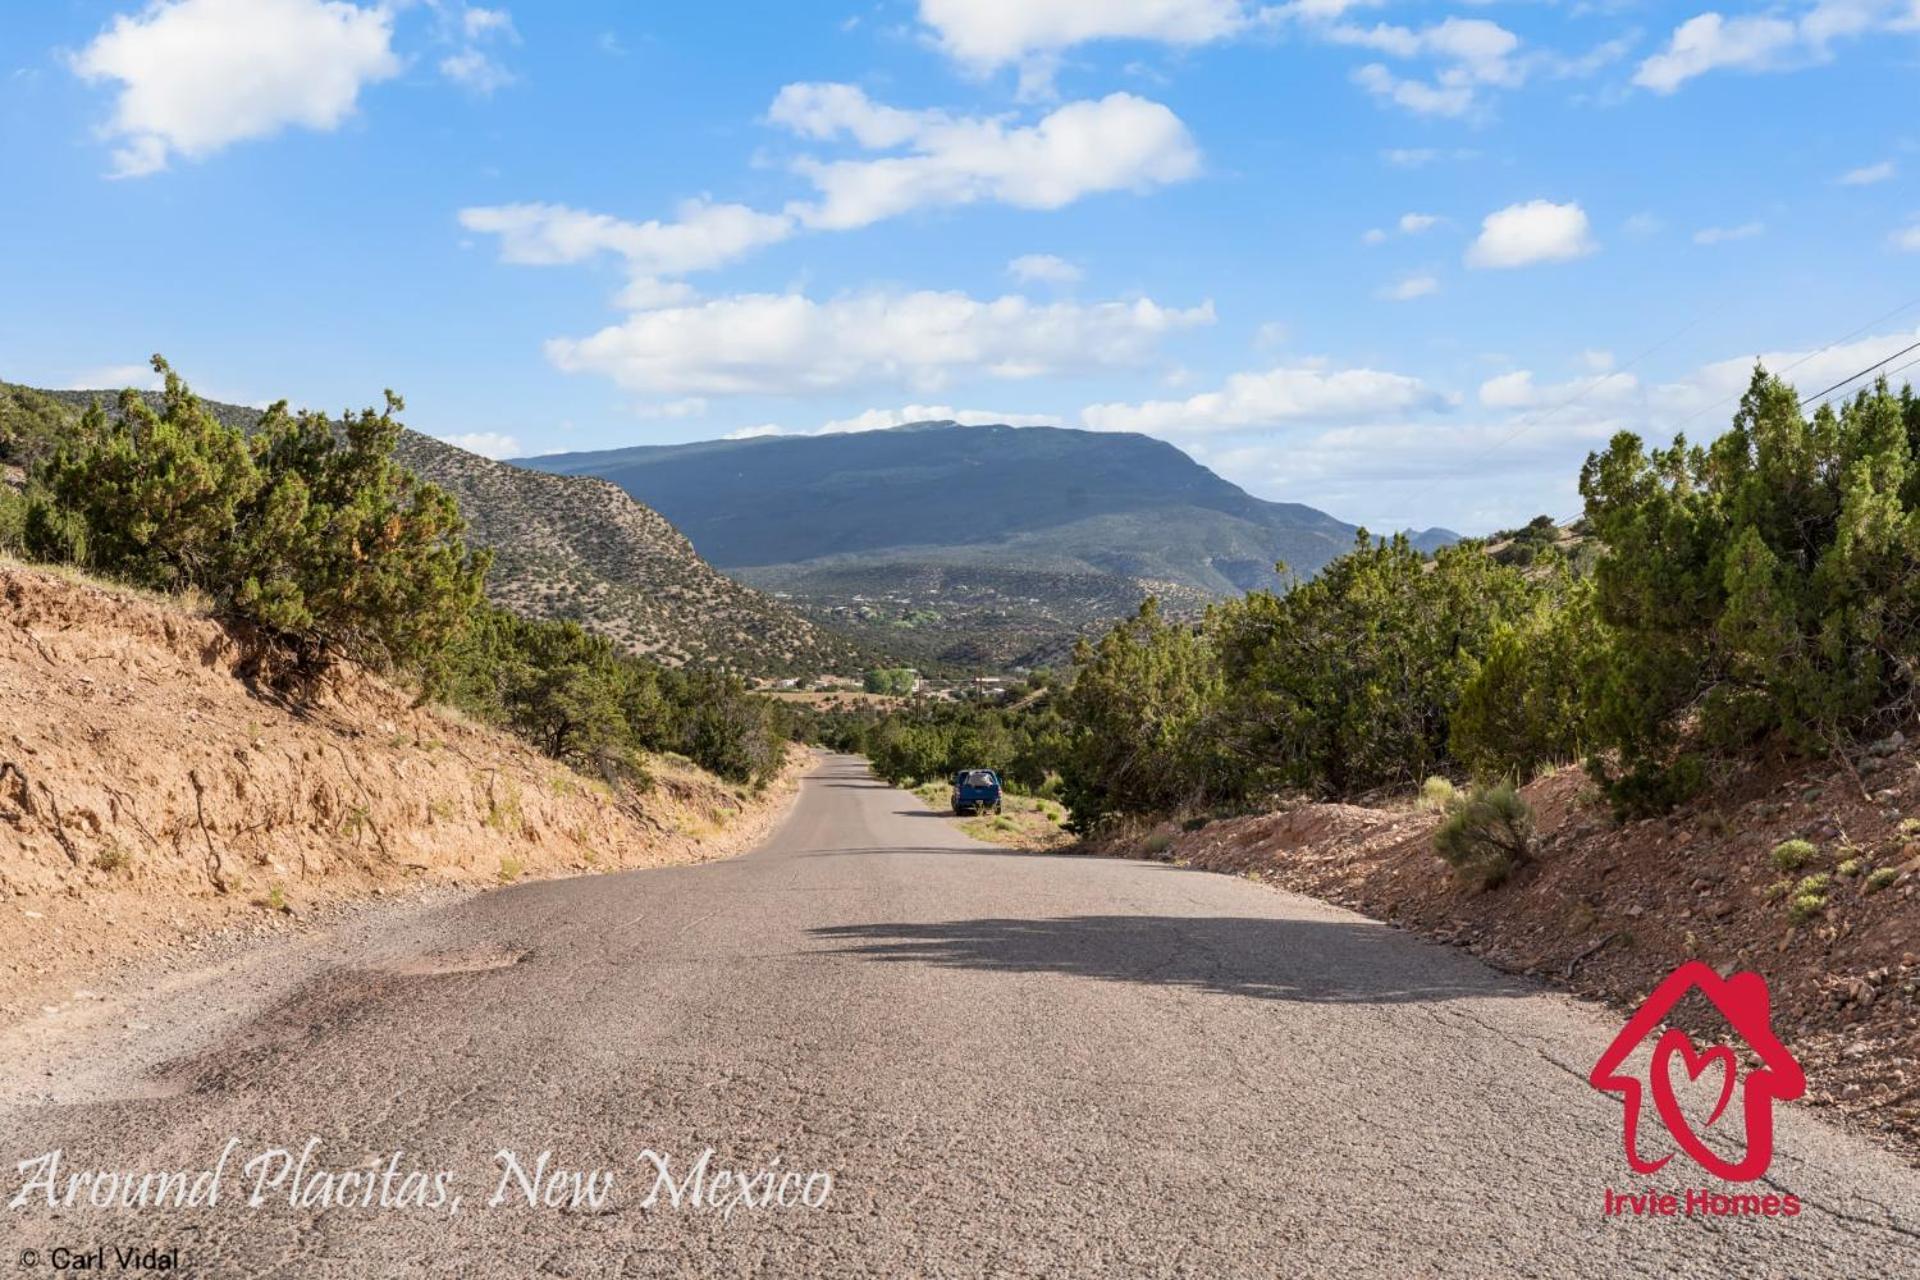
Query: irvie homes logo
x=1742 y=999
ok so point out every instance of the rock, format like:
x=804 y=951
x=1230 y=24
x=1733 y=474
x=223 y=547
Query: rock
x=1858 y=1049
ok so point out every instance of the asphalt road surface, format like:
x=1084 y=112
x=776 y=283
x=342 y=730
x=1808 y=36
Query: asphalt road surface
x=1009 y=1064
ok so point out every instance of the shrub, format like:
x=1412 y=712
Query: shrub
x=1791 y=855
x=1806 y=906
x=510 y=869
x=308 y=530
x=1437 y=794
x=112 y=858
x=1881 y=878
x=1850 y=868
x=898 y=681
x=1138 y=716
x=1809 y=898
x=1349 y=682
x=1761 y=585
x=1486 y=835
x=1521 y=709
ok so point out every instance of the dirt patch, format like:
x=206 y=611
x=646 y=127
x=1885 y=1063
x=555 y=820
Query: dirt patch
x=1024 y=822
x=153 y=798
x=1608 y=910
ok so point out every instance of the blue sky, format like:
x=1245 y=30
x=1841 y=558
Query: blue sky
x=1404 y=261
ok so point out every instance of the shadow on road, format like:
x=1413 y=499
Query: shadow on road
x=1315 y=961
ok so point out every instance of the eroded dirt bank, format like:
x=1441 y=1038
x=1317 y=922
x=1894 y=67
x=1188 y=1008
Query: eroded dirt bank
x=152 y=798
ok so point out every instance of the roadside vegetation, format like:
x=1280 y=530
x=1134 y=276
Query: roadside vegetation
x=1761 y=593
x=317 y=546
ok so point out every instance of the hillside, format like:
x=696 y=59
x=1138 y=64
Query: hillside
x=988 y=535
x=149 y=791
x=581 y=549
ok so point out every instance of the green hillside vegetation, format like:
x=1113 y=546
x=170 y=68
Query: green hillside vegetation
x=1760 y=592
x=313 y=541
x=564 y=548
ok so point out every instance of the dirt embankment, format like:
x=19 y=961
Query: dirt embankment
x=1609 y=909
x=150 y=797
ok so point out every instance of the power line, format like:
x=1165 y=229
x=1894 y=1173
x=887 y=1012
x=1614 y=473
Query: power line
x=1819 y=351
x=1824 y=393
x=1821 y=395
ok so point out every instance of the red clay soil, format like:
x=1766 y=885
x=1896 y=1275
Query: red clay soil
x=1608 y=910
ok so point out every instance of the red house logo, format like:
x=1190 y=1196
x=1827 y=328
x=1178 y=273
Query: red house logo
x=1742 y=1000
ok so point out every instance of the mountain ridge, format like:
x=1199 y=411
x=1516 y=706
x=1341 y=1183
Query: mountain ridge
x=992 y=542
x=762 y=469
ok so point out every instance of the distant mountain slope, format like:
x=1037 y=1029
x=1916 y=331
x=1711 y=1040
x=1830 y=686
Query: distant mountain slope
x=580 y=548
x=1035 y=497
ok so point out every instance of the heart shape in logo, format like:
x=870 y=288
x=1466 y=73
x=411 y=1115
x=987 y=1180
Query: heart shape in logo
x=1696 y=1062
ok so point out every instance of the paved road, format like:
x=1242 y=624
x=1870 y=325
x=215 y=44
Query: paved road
x=1011 y=1065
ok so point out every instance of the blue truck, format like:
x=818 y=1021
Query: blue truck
x=976 y=791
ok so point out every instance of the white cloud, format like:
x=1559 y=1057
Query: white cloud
x=1416 y=96
x=1597 y=360
x=1116 y=143
x=1420 y=157
x=755 y=433
x=488 y=444
x=1483 y=49
x=481 y=23
x=1471 y=53
x=1766 y=41
x=791 y=344
x=1409 y=224
x=705 y=235
x=199 y=75
x=1866 y=175
x=1407 y=288
x=1907 y=239
x=114 y=377
x=1293 y=393
x=1119 y=142
x=1044 y=268
x=1517 y=390
x=471 y=66
x=1721 y=235
x=1537 y=231
x=475 y=69
x=986 y=35
x=881 y=419
x=824 y=111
